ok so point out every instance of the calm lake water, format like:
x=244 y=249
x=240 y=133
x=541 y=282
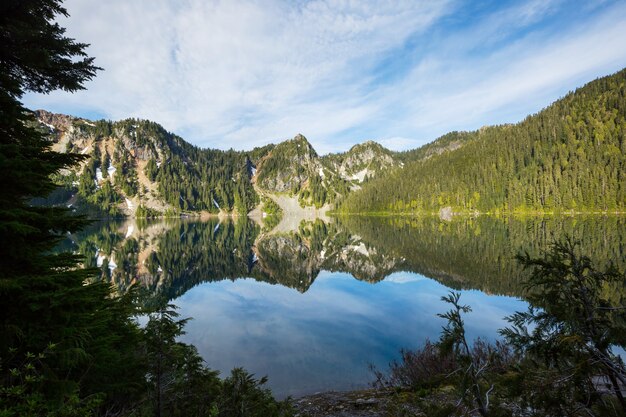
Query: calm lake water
x=315 y=307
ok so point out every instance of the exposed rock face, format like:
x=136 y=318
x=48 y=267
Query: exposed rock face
x=124 y=142
x=365 y=264
x=288 y=166
x=446 y=213
x=59 y=122
x=65 y=131
x=362 y=161
x=143 y=152
x=75 y=134
x=366 y=155
x=293 y=167
x=299 y=162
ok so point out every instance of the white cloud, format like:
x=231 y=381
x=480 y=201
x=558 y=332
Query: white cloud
x=245 y=73
x=237 y=73
x=520 y=79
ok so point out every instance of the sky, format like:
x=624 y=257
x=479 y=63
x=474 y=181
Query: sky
x=240 y=74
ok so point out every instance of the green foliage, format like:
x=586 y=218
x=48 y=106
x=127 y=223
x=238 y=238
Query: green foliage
x=195 y=179
x=473 y=383
x=293 y=167
x=125 y=172
x=570 y=156
x=270 y=207
x=287 y=166
x=68 y=347
x=106 y=200
x=478 y=252
x=316 y=192
x=151 y=170
x=184 y=176
x=572 y=325
x=104 y=164
x=101 y=130
x=21 y=395
x=273 y=214
x=144 y=212
x=44 y=299
x=419 y=370
x=179 y=384
x=557 y=358
x=244 y=396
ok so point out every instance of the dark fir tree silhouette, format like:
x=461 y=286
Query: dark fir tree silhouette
x=55 y=330
x=68 y=345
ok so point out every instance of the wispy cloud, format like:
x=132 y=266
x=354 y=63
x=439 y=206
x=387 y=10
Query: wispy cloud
x=244 y=73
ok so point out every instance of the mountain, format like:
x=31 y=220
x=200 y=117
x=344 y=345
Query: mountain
x=571 y=156
x=137 y=168
x=136 y=165
x=362 y=162
x=294 y=167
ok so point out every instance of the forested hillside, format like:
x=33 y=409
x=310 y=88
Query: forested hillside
x=569 y=156
x=137 y=168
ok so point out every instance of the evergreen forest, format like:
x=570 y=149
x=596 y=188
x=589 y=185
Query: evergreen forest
x=571 y=156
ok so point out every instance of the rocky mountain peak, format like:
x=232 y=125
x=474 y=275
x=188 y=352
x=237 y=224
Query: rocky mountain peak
x=362 y=161
x=368 y=144
x=54 y=121
x=303 y=146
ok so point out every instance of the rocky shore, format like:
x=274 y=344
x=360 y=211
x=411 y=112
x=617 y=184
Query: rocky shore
x=365 y=403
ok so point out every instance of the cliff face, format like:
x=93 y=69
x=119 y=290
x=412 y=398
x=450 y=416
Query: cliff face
x=293 y=167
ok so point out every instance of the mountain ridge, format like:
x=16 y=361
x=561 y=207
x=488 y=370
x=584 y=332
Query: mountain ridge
x=137 y=168
x=569 y=156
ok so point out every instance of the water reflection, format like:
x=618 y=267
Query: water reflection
x=324 y=339
x=169 y=258
x=313 y=307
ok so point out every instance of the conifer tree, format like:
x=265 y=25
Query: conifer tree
x=52 y=325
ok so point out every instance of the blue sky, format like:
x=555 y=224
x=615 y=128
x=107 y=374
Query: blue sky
x=238 y=74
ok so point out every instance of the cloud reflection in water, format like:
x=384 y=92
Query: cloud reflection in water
x=325 y=338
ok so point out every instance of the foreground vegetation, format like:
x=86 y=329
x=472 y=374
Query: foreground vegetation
x=556 y=359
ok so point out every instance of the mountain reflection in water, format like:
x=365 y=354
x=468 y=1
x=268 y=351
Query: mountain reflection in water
x=314 y=307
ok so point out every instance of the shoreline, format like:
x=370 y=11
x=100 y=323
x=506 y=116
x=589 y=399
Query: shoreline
x=477 y=214
x=371 y=402
x=327 y=214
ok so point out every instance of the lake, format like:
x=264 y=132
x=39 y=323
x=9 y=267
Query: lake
x=314 y=307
